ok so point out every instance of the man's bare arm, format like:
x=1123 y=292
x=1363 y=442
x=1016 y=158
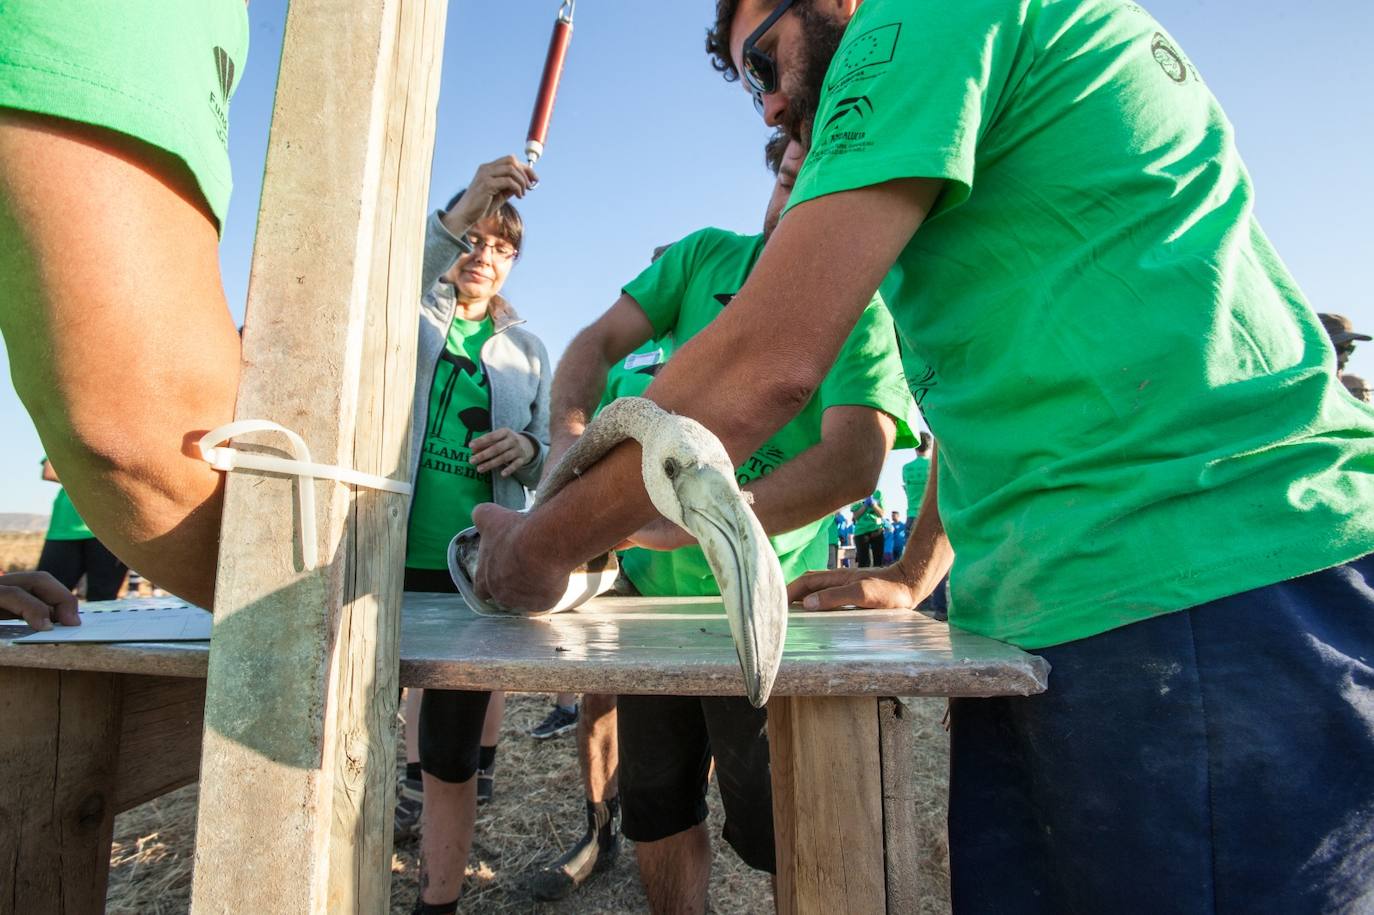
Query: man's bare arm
x=742 y=377
x=925 y=561
x=121 y=344
x=580 y=381
x=843 y=466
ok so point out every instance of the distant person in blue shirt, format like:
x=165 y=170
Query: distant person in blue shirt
x=899 y=532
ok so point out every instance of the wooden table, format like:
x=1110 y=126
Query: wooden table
x=87 y=731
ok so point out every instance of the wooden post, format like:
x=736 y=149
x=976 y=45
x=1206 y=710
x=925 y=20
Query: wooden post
x=298 y=761
x=827 y=805
x=901 y=793
x=57 y=789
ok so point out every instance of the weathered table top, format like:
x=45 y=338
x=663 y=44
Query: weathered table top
x=633 y=645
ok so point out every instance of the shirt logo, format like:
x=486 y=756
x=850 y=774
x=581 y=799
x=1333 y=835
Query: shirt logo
x=224 y=69
x=219 y=105
x=855 y=104
x=1169 y=60
x=865 y=55
x=920 y=385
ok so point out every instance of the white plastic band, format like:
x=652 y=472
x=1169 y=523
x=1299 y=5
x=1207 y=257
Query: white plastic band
x=222 y=457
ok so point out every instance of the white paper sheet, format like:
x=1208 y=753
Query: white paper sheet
x=137 y=620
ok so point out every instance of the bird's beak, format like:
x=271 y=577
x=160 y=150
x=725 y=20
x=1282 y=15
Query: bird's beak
x=746 y=570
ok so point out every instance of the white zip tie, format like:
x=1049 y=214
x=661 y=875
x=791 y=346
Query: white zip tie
x=226 y=459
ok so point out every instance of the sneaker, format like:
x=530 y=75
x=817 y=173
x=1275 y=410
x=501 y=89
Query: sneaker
x=408 y=807
x=486 y=785
x=557 y=723
x=558 y=880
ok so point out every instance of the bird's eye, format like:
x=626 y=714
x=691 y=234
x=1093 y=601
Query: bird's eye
x=670 y=468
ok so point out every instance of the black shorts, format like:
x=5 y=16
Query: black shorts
x=450 y=726
x=868 y=549
x=1217 y=759
x=666 y=745
x=68 y=560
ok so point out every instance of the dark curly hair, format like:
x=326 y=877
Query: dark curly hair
x=718 y=38
x=775 y=149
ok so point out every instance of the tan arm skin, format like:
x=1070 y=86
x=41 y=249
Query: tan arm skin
x=803 y=297
x=121 y=344
x=904 y=584
x=580 y=381
x=854 y=440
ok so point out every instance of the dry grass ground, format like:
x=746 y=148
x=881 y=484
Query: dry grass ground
x=537 y=812
x=19 y=552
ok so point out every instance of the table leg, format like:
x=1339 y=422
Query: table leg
x=901 y=793
x=59 y=756
x=827 y=805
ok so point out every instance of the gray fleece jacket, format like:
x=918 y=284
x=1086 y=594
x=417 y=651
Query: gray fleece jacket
x=515 y=361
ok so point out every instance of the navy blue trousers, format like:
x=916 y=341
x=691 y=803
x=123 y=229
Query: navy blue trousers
x=1218 y=759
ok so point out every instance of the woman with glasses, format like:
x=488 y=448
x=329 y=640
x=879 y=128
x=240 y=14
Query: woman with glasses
x=479 y=434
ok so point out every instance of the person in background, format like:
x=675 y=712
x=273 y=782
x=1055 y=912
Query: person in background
x=899 y=530
x=889 y=538
x=868 y=531
x=846 y=540
x=70 y=550
x=832 y=452
x=479 y=434
x=561 y=719
x=1357 y=386
x=833 y=539
x=1341 y=331
x=597 y=751
x=914 y=475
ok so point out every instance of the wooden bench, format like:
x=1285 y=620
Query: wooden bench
x=92 y=730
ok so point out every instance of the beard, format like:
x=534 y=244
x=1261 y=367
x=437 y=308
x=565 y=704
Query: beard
x=821 y=37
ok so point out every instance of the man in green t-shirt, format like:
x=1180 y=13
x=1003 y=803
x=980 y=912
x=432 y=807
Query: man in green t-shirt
x=1146 y=465
x=830 y=453
x=868 y=531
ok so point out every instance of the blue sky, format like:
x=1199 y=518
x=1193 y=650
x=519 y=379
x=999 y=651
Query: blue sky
x=648 y=144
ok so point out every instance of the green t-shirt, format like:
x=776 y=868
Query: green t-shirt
x=156 y=70
x=65 y=523
x=1135 y=405
x=682 y=292
x=447 y=486
x=632 y=375
x=914 y=475
x=872 y=519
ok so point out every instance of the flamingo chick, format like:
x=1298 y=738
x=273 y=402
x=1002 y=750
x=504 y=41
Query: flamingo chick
x=691 y=481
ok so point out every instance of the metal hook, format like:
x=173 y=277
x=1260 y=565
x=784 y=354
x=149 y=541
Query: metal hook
x=565 y=11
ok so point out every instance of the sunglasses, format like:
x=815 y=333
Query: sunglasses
x=760 y=70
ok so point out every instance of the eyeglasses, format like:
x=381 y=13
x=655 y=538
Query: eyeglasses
x=760 y=70
x=498 y=248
